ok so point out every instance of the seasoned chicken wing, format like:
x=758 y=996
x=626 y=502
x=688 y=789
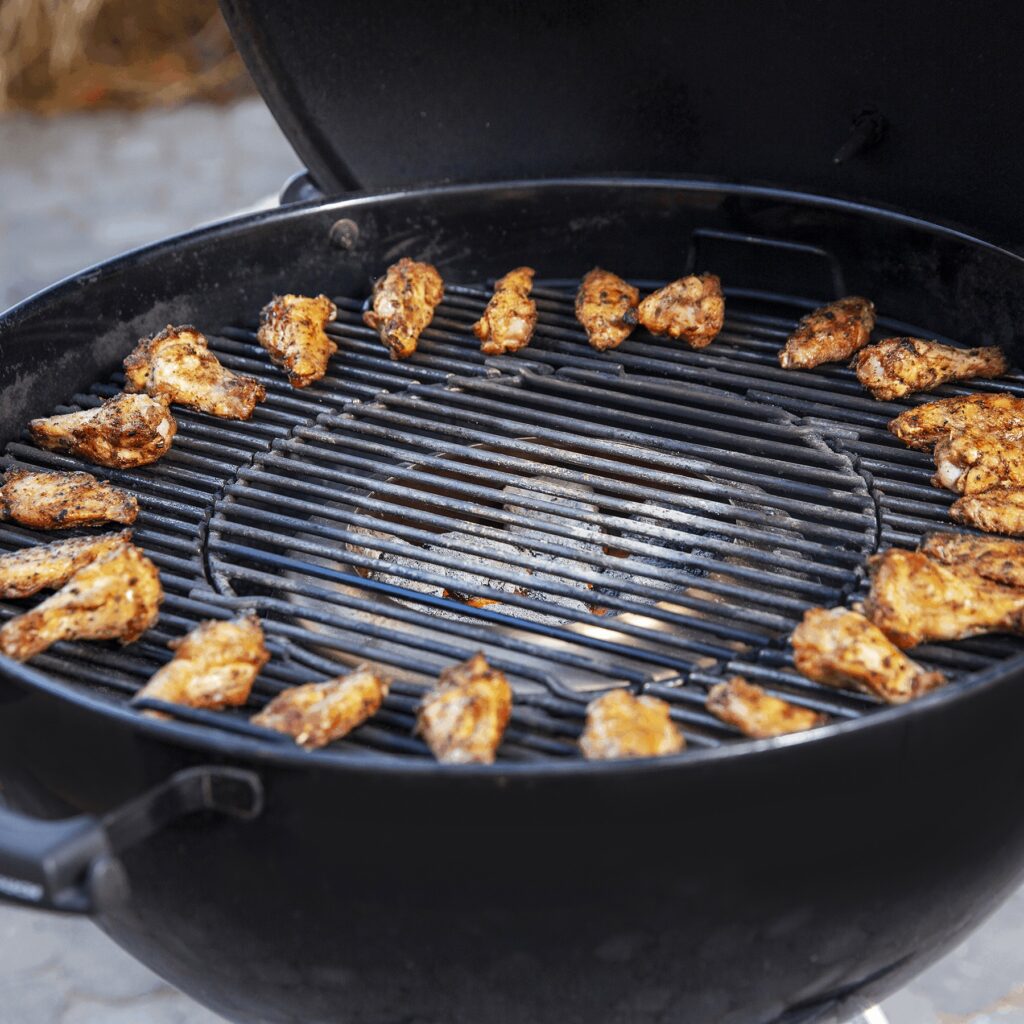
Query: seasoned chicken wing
x=829 y=334
x=692 y=308
x=116 y=597
x=606 y=306
x=924 y=425
x=998 y=559
x=1000 y=510
x=177 y=364
x=620 y=725
x=969 y=462
x=125 y=431
x=900 y=366
x=319 y=713
x=214 y=666
x=292 y=332
x=511 y=315
x=59 y=500
x=48 y=566
x=914 y=598
x=464 y=717
x=756 y=712
x=839 y=647
x=404 y=300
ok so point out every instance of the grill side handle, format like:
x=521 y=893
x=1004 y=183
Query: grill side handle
x=72 y=865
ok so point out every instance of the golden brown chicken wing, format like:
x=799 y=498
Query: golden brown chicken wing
x=829 y=334
x=511 y=315
x=404 y=300
x=1000 y=510
x=692 y=308
x=756 y=712
x=464 y=717
x=913 y=599
x=839 y=647
x=58 y=501
x=177 y=364
x=927 y=424
x=606 y=306
x=48 y=566
x=116 y=597
x=969 y=462
x=125 y=431
x=319 y=713
x=214 y=666
x=998 y=559
x=620 y=725
x=292 y=332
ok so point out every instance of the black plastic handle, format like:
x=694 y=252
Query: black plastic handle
x=72 y=865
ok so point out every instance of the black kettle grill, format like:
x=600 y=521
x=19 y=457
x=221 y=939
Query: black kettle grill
x=649 y=517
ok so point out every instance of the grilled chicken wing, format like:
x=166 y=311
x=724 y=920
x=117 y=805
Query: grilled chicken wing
x=177 y=364
x=1000 y=510
x=913 y=599
x=839 y=647
x=829 y=334
x=57 y=501
x=900 y=366
x=756 y=712
x=692 y=308
x=125 y=431
x=606 y=306
x=995 y=558
x=620 y=725
x=969 y=462
x=48 y=566
x=292 y=332
x=319 y=713
x=464 y=717
x=924 y=425
x=511 y=315
x=404 y=300
x=213 y=666
x=116 y=597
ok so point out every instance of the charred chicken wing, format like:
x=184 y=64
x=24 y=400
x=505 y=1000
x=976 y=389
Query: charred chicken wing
x=319 y=713
x=839 y=647
x=213 y=666
x=620 y=725
x=48 y=566
x=511 y=315
x=995 y=558
x=756 y=712
x=116 y=597
x=404 y=300
x=58 y=501
x=969 y=462
x=177 y=364
x=829 y=334
x=927 y=424
x=1000 y=510
x=292 y=332
x=125 y=431
x=464 y=717
x=692 y=308
x=606 y=306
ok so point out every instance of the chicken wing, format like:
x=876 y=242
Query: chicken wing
x=59 y=500
x=924 y=425
x=177 y=364
x=692 y=308
x=969 y=462
x=900 y=366
x=914 y=598
x=839 y=647
x=319 y=713
x=292 y=332
x=48 y=566
x=620 y=725
x=116 y=597
x=1000 y=510
x=829 y=334
x=214 y=666
x=995 y=558
x=606 y=306
x=464 y=717
x=511 y=315
x=756 y=712
x=125 y=431
x=404 y=300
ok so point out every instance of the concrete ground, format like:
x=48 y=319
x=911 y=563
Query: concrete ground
x=77 y=190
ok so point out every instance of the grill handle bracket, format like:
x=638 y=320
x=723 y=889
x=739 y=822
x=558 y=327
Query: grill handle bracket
x=72 y=865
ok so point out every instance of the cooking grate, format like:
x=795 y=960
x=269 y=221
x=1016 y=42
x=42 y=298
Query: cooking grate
x=651 y=516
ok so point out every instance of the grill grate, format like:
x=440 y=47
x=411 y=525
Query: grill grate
x=650 y=516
